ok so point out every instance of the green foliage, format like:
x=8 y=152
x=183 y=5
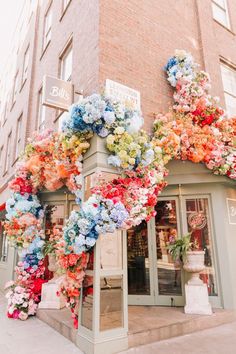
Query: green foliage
x=179 y=248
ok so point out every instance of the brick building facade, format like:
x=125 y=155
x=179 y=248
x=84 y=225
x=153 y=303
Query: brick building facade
x=87 y=42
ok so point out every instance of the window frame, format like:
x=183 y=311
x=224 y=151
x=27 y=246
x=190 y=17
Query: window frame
x=25 y=68
x=64 y=54
x=225 y=9
x=64 y=7
x=8 y=153
x=41 y=111
x=47 y=31
x=232 y=69
x=18 y=136
x=15 y=87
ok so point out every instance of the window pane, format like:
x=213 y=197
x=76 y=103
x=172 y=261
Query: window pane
x=111 y=302
x=138 y=260
x=87 y=303
x=221 y=3
x=198 y=220
x=169 y=273
x=220 y=15
x=66 y=65
x=230 y=103
x=229 y=79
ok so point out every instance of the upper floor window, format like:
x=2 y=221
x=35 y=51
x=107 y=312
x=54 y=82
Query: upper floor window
x=66 y=64
x=15 y=88
x=8 y=153
x=47 y=27
x=1 y=159
x=41 y=111
x=18 y=136
x=229 y=83
x=220 y=12
x=26 y=65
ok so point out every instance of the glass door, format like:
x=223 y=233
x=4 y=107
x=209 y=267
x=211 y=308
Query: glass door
x=168 y=277
x=198 y=220
x=140 y=265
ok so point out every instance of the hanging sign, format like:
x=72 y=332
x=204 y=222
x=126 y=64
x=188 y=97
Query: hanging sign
x=128 y=96
x=231 y=205
x=57 y=93
x=197 y=221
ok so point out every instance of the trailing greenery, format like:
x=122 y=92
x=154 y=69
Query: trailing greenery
x=179 y=248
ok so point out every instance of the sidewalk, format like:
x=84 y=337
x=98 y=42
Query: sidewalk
x=218 y=340
x=31 y=336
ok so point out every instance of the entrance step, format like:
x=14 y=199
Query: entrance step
x=148 y=324
x=60 y=320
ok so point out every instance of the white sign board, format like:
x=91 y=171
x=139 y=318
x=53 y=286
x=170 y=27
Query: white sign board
x=231 y=205
x=57 y=93
x=128 y=96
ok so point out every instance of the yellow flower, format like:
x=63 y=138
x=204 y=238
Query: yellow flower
x=131 y=161
x=119 y=130
x=122 y=155
x=110 y=139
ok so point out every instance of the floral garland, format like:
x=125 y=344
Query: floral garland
x=192 y=130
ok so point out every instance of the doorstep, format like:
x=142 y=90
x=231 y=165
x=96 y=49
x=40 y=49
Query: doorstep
x=147 y=324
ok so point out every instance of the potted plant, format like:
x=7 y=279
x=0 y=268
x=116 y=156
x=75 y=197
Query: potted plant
x=187 y=253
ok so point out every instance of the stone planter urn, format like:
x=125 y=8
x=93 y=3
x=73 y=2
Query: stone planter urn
x=49 y=297
x=194 y=264
x=196 y=292
x=52 y=264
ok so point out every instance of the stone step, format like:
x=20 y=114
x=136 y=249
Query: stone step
x=60 y=320
x=169 y=323
x=147 y=324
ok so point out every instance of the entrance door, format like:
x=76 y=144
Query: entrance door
x=59 y=206
x=153 y=277
x=168 y=275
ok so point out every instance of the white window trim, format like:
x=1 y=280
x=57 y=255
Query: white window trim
x=226 y=10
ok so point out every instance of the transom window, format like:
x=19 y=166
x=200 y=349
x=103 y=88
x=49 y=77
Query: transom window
x=220 y=12
x=229 y=83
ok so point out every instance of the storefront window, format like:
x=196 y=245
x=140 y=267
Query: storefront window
x=168 y=272
x=87 y=303
x=111 y=302
x=198 y=220
x=138 y=260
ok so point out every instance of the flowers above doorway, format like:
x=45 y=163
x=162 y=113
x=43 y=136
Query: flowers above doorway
x=193 y=129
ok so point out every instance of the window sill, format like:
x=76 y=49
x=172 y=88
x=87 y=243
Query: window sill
x=44 y=50
x=64 y=11
x=225 y=27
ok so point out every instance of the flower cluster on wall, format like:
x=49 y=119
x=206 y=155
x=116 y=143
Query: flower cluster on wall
x=193 y=129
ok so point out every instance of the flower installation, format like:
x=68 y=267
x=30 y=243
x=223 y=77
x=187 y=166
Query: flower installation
x=194 y=130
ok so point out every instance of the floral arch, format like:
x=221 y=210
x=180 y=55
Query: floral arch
x=193 y=129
